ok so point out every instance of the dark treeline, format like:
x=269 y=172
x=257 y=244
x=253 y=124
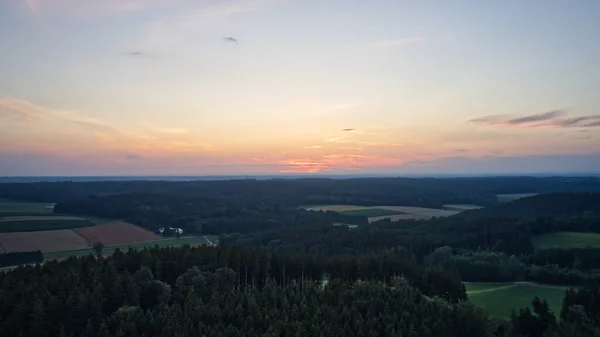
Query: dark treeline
x=203 y=215
x=498 y=250
x=578 y=258
x=233 y=292
x=579 y=316
x=18 y=258
x=490 y=266
x=426 y=192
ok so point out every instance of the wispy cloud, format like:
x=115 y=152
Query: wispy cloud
x=335 y=139
x=313 y=147
x=392 y=43
x=546 y=116
x=19 y=110
x=546 y=119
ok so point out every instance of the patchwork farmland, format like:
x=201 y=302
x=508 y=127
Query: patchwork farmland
x=26 y=226
x=386 y=212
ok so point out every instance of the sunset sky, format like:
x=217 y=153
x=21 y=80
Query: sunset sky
x=152 y=87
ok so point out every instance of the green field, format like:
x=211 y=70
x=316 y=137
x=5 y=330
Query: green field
x=41 y=225
x=192 y=241
x=498 y=299
x=566 y=240
x=371 y=212
x=24 y=208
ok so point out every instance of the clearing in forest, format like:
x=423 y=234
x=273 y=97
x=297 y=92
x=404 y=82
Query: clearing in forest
x=394 y=212
x=116 y=233
x=498 y=299
x=46 y=241
x=566 y=240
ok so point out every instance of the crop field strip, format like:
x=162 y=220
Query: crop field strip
x=46 y=241
x=11 y=206
x=369 y=212
x=116 y=233
x=41 y=225
x=461 y=208
x=500 y=298
x=566 y=240
x=399 y=212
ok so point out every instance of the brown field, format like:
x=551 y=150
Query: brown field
x=46 y=241
x=116 y=233
x=43 y=217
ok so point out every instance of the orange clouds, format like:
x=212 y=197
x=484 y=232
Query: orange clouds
x=336 y=162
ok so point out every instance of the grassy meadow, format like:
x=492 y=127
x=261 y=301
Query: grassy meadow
x=498 y=299
x=566 y=240
x=22 y=208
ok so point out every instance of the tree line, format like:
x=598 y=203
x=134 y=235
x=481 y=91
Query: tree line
x=234 y=291
x=18 y=258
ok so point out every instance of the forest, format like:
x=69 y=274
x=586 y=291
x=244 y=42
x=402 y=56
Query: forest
x=424 y=192
x=234 y=291
x=281 y=270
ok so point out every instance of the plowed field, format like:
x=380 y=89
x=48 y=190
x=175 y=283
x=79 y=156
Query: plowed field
x=46 y=241
x=116 y=233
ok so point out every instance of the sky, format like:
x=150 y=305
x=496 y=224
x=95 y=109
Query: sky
x=167 y=87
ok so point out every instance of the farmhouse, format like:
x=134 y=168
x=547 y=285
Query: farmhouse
x=174 y=230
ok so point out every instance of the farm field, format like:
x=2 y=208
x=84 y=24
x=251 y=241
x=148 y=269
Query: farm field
x=461 y=208
x=46 y=241
x=499 y=299
x=32 y=225
x=566 y=240
x=402 y=212
x=396 y=217
x=116 y=233
x=11 y=206
x=192 y=241
x=371 y=212
x=514 y=196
